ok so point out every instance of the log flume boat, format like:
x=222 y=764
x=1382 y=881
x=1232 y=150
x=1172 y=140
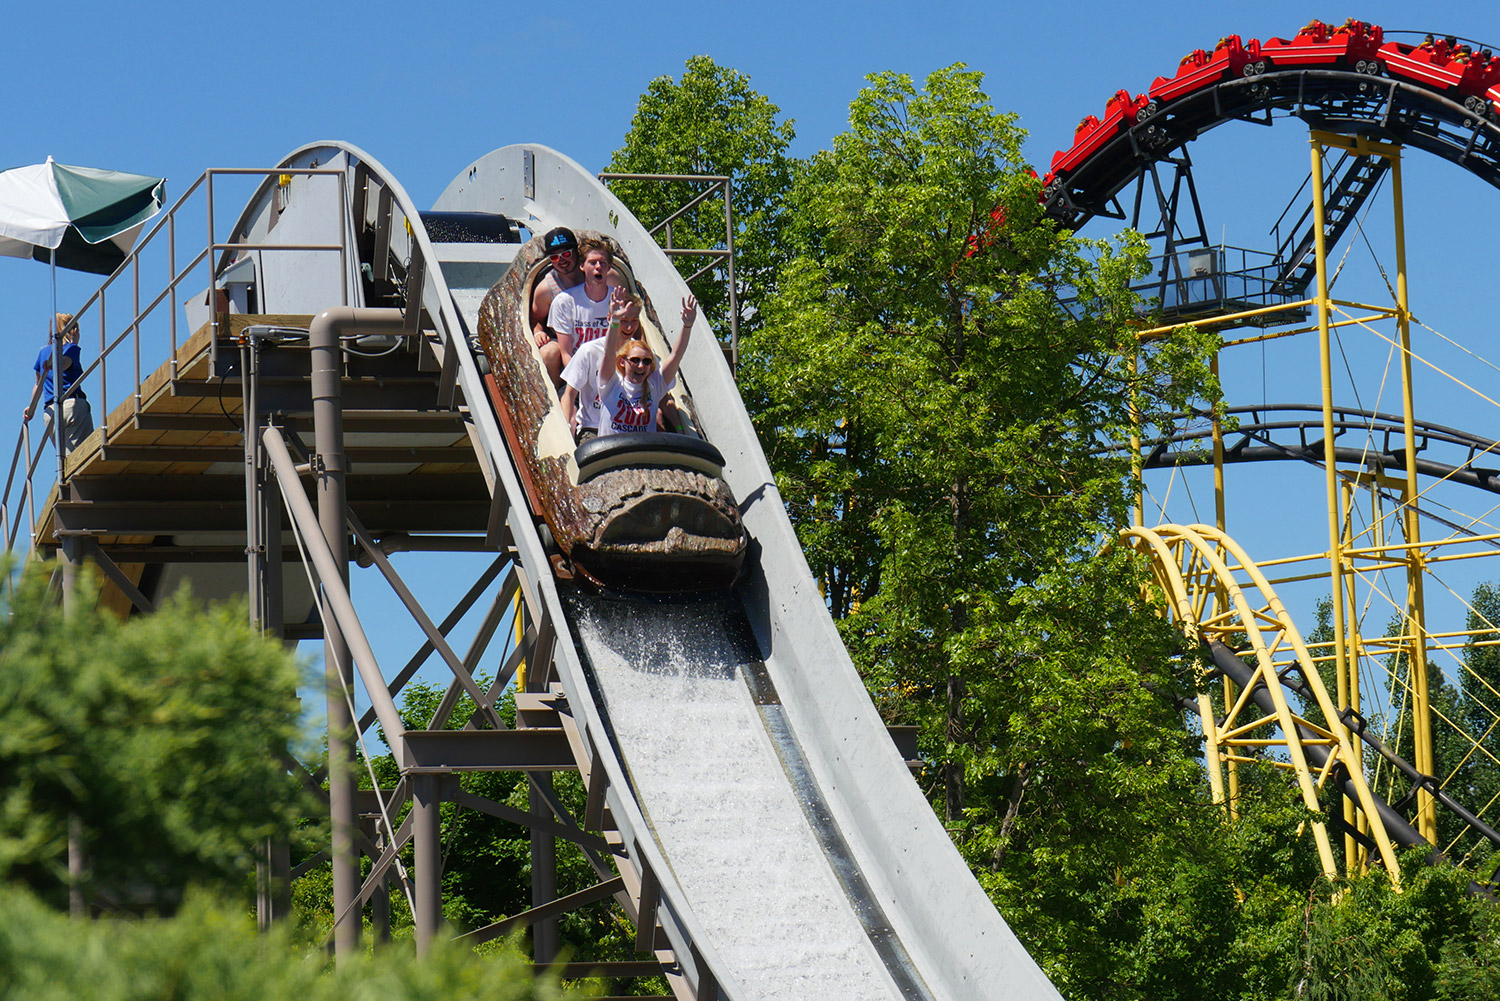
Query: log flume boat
x=646 y=512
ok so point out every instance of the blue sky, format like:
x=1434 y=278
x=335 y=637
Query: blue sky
x=172 y=89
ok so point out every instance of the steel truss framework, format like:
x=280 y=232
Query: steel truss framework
x=272 y=451
x=297 y=417
x=1208 y=580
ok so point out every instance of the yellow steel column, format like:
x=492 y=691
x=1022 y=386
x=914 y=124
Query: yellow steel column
x=1136 y=473
x=518 y=623
x=1221 y=598
x=1357 y=643
x=1345 y=678
x=1421 y=708
x=1325 y=359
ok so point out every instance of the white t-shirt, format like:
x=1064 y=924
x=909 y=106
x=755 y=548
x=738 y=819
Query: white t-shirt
x=624 y=409
x=582 y=373
x=574 y=314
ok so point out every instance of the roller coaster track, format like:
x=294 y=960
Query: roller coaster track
x=1212 y=606
x=744 y=804
x=1333 y=83
x=1223 y=601
x=1330 y=99
x=1294 y=432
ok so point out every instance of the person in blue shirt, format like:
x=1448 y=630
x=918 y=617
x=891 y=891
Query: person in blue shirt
x=77 y=418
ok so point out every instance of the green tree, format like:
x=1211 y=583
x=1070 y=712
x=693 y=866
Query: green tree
x=1479 y=683
x=933 y=408
x=964 y=401
x=160 y=738
x=712 y=122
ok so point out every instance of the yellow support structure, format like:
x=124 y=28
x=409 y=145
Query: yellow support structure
x=1189 y=565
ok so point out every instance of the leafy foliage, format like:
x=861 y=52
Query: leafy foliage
x=712 y=122
x=161 y=737
x=208 y=953
x=934 y=415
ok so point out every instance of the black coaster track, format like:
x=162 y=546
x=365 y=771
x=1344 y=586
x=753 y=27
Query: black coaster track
x=1337 y=100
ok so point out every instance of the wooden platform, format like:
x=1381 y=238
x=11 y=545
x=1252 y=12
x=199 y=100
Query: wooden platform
x=162 y=480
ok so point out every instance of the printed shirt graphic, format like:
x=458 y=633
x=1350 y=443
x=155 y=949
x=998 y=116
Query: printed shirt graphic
x=575 y=314
x=624 y=409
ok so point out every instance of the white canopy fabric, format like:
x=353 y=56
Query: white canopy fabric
x=31 y=210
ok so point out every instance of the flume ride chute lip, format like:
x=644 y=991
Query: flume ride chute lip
x=647 y=512
x=89 y=218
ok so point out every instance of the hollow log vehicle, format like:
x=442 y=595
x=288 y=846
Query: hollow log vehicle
x=647 y=512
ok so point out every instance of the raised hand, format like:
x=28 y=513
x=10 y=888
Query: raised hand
x=689 y=311
x=619 y=303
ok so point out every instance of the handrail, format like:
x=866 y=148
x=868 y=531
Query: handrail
x=93 y=381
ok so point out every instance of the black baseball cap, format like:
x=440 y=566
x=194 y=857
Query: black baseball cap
x=559 y=241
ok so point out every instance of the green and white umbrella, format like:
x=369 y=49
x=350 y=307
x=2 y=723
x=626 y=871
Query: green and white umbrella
x=88 y=218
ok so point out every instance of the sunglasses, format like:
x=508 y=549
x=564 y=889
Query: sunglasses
x=554 y=258
x=642 y=362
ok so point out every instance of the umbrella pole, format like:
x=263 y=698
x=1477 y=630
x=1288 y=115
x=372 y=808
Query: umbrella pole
x=69 y=550
x=57 y=421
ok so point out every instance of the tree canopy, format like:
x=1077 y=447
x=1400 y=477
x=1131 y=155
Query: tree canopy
x=162 y=739
x=712 y=121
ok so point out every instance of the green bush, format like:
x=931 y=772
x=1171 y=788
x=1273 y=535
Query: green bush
x=161 y=738
x=207 y=952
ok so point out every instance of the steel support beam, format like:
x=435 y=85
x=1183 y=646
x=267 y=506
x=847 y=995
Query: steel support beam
x=427 y=858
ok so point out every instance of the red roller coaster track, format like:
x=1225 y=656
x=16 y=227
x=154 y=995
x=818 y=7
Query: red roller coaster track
x=1441 y=95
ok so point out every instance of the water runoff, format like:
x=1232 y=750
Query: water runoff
x=728 y=795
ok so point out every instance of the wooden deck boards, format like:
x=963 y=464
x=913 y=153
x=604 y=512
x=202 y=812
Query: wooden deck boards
x=202 y=446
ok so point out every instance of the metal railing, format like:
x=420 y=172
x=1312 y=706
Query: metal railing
x=150 y=331
x=1207 y=281
x=722 y=186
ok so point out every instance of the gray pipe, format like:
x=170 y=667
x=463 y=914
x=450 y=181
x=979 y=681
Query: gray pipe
x=329 y=464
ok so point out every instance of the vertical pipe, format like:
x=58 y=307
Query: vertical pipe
x=70 y=554
x=275 y=620
x=172 y=280
x=734 y=300
x=427 y=859
x=103 y=371
x=380 y=898
x=1221 y=596
x=135 y=332
x=328 y=462
x=1139 y=509
x=329 y=466
x=255 y=494
x=213 y=301
x=1220 y=518
x=29 y=490
x=1352 y=850
x=1422 y=708
x=57 y=399
x=544 y=940
x=281 y=877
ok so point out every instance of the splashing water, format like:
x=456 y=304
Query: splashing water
x=675 y=681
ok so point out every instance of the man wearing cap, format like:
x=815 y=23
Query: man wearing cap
x=562 y=249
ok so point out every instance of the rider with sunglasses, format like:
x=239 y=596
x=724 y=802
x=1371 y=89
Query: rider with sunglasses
x=630 y=387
